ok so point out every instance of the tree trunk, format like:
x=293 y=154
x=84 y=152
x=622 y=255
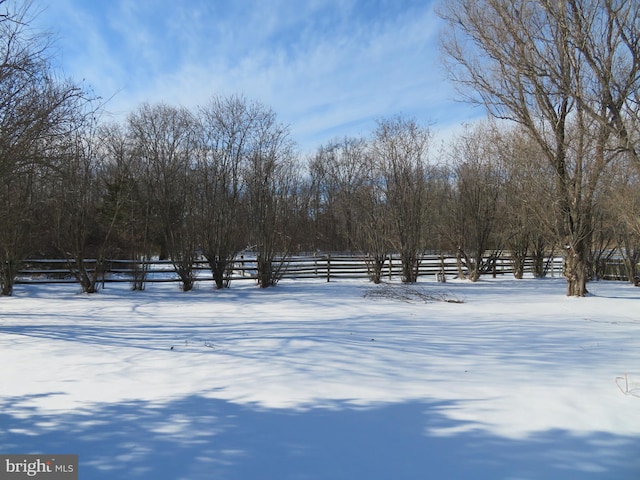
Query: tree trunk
x=375 y=264
x=474 y=266
x=7 y=278
x=187 y=282
x=409 y=267
x=518 y=269
x=140 y=269
x=576 y=268
x=7 y=288
x=184 y=269
x=518 y=258
x=265 y=272
x=461 y=274
x=219 y=266
x=88 y=280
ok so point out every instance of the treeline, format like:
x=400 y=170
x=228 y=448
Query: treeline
x=177 y=184
x=212 y=181
x=491 y=191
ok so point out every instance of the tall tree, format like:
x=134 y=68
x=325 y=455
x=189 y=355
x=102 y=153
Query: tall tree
x=228 y=131
x=477 y=194
x=620 y=204
x=272 y=181
x=528 y=223
x=523 y=60
x=607 y=35
x=165 y=140
x=127 y=202
x=353 y=198
x=76 y=195
x=399 y=150
x=35 y=110
x=338 y=171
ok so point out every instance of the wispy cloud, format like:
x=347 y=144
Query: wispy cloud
x=326 y=68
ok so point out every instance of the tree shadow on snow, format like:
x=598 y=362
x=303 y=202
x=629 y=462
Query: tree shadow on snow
x=203 y=438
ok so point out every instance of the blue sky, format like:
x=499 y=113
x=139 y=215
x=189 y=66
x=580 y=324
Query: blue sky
x=328 y=68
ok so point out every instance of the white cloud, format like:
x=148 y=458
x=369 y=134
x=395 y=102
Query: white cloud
x=326 y=69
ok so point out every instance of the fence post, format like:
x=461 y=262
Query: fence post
x=390 y=266
x=328 y=267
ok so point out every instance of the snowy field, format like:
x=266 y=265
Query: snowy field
x=316 y=380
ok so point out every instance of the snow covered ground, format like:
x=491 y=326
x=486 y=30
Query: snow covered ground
x=316 y=380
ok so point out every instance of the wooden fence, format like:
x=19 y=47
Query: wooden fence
x=324 y=266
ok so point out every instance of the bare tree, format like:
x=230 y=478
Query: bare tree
x=272 y=180
x=527 y=222
x=77 y=189
x=347 y=178
x=374 y=226
x=620 y=204
x=165 y=141
x=229 y=128
x=127 y=203
x=606 y=34
x=477 y=193
x=399 y=150
x=338 y=172
x=523 y=61
x=35 y=109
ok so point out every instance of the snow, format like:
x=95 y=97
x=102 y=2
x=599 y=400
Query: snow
x=317 y=380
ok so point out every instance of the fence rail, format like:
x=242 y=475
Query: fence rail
x=325 y=266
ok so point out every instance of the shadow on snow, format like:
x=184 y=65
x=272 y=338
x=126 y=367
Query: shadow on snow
x=202 y=438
